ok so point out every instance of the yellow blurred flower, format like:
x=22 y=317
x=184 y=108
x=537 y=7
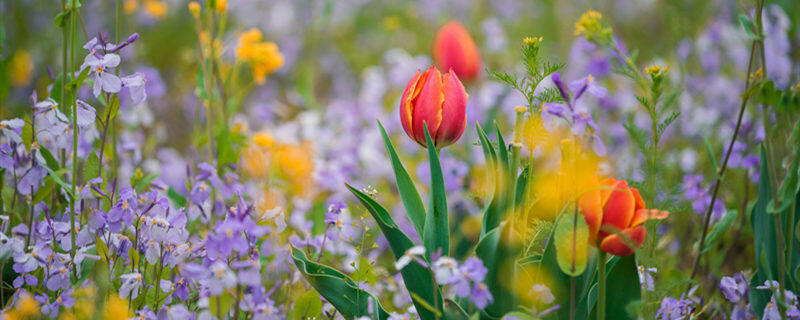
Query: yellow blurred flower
x=116 y=308
x=156 y=9
x=21 y=68
x=194 y=9
x=222 y=5
x=25 y=307
x=557 y=183
x=264 y=57
x=130 y=6
x=591 y=27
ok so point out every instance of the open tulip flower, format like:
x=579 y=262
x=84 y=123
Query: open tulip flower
x=615 y=214
x=453 y=48
x=438 y=101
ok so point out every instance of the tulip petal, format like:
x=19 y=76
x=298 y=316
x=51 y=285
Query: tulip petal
x=639 y=201
x=428 y=106
x=642 y=215
x=619 y=207
x=454 y=48
x=454 y=108
x=592 y=210
x=411 y=92
x=614 y=244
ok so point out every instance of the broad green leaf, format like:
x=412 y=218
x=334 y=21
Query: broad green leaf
x=178 y=200
x=44 y=191
x=765 y=245
x=437 y=228
x=308 y=306
x=719 y=229
x=496 y=206
x=48 y=158
x=144 y=182
x=220 y=304
x=498 y=254
x=338 y=289
x=65 y=187
x=412 y=202
x=749 y=27
x=571 y=238
x=418 y=279
x=91 y=168
x=622 y=288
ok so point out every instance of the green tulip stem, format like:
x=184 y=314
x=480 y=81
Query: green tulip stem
x=601 y=285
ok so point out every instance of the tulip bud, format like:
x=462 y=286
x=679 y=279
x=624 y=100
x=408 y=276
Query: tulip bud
x=453 y=48
x=440 y=102
x=615 y=214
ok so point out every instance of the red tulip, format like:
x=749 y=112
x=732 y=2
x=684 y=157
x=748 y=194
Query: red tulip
x=437 y=100
x=615 y=215
x=453 y=48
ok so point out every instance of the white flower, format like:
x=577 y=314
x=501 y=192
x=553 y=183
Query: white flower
x=541 y=293
x=409 y=255
x=444 y=269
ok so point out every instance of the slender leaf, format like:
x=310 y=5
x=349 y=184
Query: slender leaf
x=417 y=278
x=436 y=234
x=412 y=202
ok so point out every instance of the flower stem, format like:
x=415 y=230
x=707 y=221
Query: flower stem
x=780 y=239
x=724 y=166
x=601 y=285
x=74 y=136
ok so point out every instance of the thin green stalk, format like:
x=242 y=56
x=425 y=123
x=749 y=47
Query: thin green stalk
x=721 y=173
x=601 y=285
x=74 y=135
x=773 y=173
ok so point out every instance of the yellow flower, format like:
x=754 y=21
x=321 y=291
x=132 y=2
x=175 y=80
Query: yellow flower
x=264 y=57
x=590 y=26
x=24 y=307
x=295 y=163
x=116 y=309
x=21 y=68
x=156 y=9
x=194 y=9
x=222 y=5
x=655 y=71
x=532 y=41
x=130 y=6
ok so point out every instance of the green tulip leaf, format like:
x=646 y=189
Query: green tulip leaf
x=412 y=202
x=338 y=289
x=436 y=234
x=571 y=238
x=418 y=279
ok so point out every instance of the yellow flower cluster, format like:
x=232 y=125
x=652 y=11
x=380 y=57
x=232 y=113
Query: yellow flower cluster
x=21 y=68
x=263 y=56
x=154 y=8
x=116 y=308
x=532 y=41
x=292 y=163
x=656 y=71
x=24 y=308
x=591 y=27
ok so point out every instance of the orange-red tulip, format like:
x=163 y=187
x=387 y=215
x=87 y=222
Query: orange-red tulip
x=615 y=214
x=437 y=100
x=453 y=48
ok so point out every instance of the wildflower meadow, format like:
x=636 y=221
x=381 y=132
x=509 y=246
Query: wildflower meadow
x=387 y=160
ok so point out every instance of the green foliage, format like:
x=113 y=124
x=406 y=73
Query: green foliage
x=436 y=234
x=338 y=289
x=412 y=202
x=571 y=237
x=537 y=69
x=308 y=306
x=418 y=279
